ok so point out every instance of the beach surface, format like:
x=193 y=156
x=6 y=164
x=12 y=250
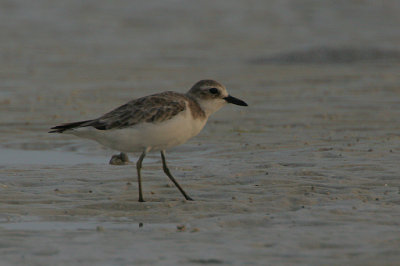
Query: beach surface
x=308 y=174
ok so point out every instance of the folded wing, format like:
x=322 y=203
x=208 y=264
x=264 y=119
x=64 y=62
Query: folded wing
x=150 y=109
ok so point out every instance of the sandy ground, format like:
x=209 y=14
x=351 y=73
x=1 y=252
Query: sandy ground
x=308 y=174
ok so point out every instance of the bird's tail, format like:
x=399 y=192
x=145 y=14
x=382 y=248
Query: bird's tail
x=61 y=128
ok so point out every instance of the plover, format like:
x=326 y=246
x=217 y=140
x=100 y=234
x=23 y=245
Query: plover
x=155 y=123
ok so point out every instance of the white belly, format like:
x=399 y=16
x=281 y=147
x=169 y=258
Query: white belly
x=153 y=136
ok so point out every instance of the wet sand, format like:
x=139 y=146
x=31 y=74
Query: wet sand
x=308 y=174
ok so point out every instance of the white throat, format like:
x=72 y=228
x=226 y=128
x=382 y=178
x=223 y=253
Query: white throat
x=211 y=106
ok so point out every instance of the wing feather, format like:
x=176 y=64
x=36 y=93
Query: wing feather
x=154 y=108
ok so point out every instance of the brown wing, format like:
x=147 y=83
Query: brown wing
x=154 y=108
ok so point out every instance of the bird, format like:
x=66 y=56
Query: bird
x=155 y=122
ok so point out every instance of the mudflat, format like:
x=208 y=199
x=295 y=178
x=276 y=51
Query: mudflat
x=307 y=174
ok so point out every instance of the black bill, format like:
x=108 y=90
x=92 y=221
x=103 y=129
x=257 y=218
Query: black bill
x=231 y=99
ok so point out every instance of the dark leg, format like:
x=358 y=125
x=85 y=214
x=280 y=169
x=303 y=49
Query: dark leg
x=168 y=173
x=138 y=167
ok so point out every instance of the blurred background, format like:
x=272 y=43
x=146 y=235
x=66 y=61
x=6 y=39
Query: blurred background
x=62 y=60
x=307 y=173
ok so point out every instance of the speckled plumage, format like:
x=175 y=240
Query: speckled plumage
x=154 y=108
x=155 y=122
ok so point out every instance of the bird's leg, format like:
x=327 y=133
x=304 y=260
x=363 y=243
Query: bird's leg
x=168 y=173
x=138 y=167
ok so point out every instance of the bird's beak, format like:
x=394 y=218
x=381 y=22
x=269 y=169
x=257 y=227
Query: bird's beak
x=231 y=99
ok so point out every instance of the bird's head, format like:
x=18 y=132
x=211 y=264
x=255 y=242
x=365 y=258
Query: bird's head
x=212 y=95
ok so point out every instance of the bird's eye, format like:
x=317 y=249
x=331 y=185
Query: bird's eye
x=213 y=90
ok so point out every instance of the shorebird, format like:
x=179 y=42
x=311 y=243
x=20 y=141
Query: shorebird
x=154 y=123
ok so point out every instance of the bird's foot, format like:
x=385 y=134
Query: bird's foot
x=189 y=198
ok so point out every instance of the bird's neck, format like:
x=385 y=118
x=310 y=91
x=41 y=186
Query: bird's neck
x=210 y=107
x=195 y=108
